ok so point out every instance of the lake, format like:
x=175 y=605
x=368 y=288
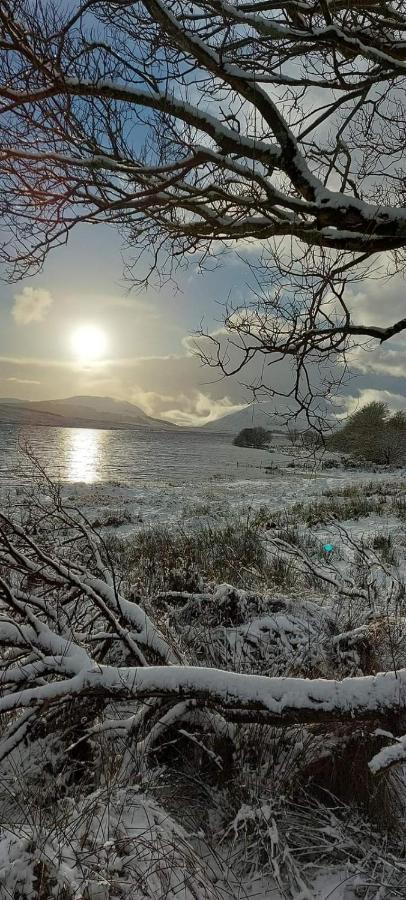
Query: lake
x=94 y=455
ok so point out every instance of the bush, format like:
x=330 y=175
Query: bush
x=252 y=437
x=373 y=435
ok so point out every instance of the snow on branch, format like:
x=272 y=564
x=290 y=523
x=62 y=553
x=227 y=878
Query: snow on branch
x=275 y=130
x=274 y=701
x=81 y=82
x=389 y=756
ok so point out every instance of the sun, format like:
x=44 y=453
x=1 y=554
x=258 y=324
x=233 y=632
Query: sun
x=89 y=342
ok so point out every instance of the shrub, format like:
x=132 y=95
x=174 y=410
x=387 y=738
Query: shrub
x=252 y=437
x=158 y=559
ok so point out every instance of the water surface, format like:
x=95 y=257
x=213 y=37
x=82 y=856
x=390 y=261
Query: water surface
x=92 y=455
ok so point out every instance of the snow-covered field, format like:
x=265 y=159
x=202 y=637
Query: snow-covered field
x=189 y=504
x=97 y=803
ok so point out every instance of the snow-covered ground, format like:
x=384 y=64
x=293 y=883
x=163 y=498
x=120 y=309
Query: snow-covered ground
x=278 y=845
x=192 y=503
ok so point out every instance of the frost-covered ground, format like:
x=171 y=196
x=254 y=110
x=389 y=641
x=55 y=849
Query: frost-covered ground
x=98 y=804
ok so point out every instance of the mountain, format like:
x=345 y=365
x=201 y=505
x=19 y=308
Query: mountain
x=103 y=405
x=21 y=414
x=79 y=412
x=254 y=415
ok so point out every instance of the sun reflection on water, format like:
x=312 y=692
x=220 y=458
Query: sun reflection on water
x=83 y=454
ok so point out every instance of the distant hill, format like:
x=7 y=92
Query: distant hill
x=254 y=415
x=103 y=405
x=79 y=412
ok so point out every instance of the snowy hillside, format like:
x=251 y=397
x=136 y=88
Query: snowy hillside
x=256 y=414
x=77 y=412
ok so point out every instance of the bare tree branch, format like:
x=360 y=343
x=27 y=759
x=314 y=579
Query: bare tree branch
x=193 y=130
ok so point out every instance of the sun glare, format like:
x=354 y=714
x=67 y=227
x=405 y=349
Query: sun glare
x=84 y=450
x=89 y=342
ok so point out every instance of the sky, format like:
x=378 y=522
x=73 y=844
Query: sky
x=149 y=357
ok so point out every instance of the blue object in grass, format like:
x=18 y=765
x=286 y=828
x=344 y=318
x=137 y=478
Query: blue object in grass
x=328 y=548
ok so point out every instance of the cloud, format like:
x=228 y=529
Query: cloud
x=31 y=305
x=348 y=405
x=144 y=309
x=377 y=301
x=23 y=380
x=386 y=359
x=193 y=409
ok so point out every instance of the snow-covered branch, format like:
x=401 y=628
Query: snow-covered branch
x=275 y=701
x=219 y=84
